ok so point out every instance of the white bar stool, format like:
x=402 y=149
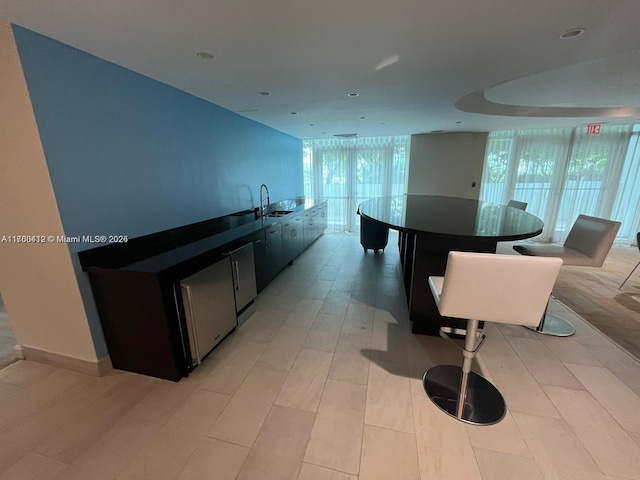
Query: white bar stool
x=587 y=245
x=492 y=288
x=517 y=204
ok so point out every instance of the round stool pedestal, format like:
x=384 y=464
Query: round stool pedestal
x=483 y=405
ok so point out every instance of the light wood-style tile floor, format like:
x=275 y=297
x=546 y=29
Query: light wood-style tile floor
x=594 y=294
x=324 y=383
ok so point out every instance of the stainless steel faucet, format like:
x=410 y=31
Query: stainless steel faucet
x=262 y=206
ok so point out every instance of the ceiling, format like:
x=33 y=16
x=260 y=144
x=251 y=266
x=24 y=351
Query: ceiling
x=410 y=61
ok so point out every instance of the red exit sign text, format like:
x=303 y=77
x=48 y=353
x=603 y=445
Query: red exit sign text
x=594 y=129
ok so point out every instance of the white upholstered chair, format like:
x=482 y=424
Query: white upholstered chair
x=587 y=245
x=492 y=288
x=517 y=204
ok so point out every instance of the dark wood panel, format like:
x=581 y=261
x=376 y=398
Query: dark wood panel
x=140 y=327
x=430 y=253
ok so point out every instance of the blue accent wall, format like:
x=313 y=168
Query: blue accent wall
x=129 y=155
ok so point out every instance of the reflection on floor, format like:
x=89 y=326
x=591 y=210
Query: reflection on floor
x=324 y=382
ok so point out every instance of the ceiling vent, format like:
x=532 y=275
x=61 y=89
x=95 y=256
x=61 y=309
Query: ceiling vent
x=346 y=135
x=574 y=32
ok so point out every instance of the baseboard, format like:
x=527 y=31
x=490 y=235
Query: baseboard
x=97 y=368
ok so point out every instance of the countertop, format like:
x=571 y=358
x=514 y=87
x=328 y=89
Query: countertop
x=216 y=245
x=452 y=216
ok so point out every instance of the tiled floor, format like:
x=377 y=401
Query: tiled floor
x=594 y=294
x=323 y=383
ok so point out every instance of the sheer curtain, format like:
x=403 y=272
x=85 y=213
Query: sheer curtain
x=562 y=173
x=592 y=176
x=522 y=165
x=626 y=207
x=347 y=172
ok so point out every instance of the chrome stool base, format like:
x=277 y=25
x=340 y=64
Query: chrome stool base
x=555 y=326
x=483 y=404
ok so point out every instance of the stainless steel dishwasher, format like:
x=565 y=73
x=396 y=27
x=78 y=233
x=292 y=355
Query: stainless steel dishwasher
x=244 y=281
x=209 y=306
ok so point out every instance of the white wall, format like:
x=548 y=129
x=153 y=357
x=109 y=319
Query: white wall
x=447 y=164
x=37 y=280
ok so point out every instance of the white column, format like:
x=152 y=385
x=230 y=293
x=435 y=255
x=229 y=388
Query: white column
x=37 y=280
x=448 y=164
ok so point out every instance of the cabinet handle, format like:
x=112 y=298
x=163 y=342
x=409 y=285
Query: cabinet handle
x=237 y=272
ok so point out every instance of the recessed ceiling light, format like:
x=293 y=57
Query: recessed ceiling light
x=353 y=94
x=574 y=32
x=458 y=122
x=312 y=124
x=264 y=94
x=293 y=113
x=363 y=118
x=204 y=55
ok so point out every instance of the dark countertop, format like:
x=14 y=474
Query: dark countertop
x=215 y=246
x=452 y=216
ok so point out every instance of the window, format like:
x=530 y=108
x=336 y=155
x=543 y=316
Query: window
x=347 y=172
x=564 y=172
x=625 y=208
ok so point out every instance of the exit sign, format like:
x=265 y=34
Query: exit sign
x=594 y=129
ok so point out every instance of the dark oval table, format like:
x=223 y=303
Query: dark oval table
x=430 y=227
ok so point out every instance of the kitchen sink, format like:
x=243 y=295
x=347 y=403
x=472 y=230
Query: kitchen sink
x=279 y=213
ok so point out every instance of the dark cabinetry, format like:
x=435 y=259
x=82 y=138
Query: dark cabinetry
x=309 y=227
x=140 y=322
x=274 y=246
x=292 y=238
x=277 y=245
x=268 y=254
x=322 y=221
x=137 y=285
x=314 y=223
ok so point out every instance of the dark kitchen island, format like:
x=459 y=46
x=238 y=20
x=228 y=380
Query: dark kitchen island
x=432 y=226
